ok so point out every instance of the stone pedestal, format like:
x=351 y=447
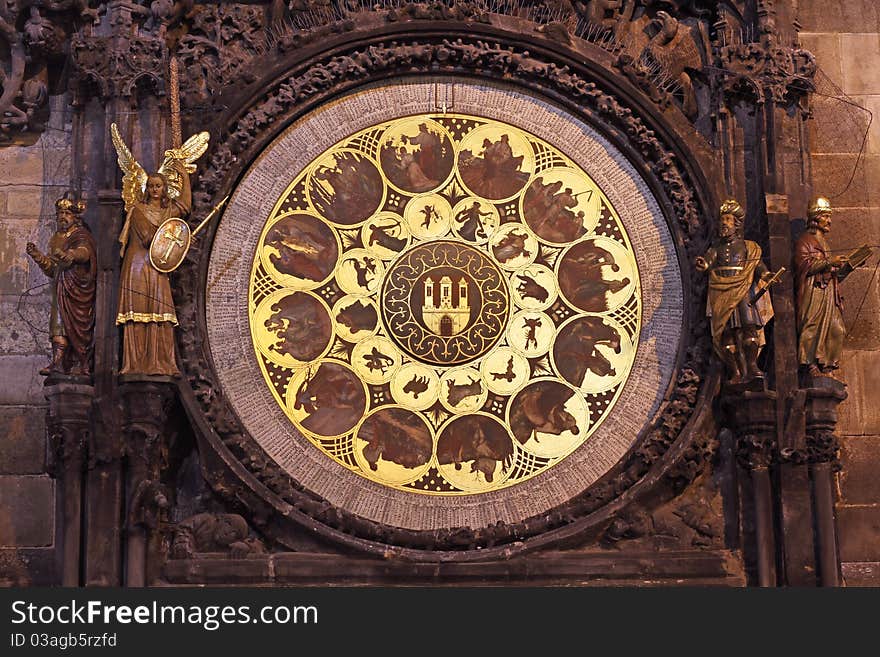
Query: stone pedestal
x=752 y=415
x=145 y=404
x=789 y=484
x=824 y=395
x=70 y=403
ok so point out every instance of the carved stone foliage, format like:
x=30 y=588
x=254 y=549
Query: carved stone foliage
x=821 y=447
x=822 y=395
x=126 y=47
x=33 y=46
x=253 y=127
x=659 y=45
x=440 y=11
x=68 y=426
x=219 y=40
x=757 y=63
x=752 y=417
x=766 y=73
x=755 y=451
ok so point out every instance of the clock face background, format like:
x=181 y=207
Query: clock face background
x=443 y=319
x=444 y=304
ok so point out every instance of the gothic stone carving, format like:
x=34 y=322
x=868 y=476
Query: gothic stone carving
x=361 y=64
x=661 y=44
x=662 y=65
x=220 y=39
x=33 y=41
x=149 y=504
x=203 y=533
x=765 y=72
x=116 y=66
x=693 y=520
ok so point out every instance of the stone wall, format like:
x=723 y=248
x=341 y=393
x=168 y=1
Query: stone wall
x=31 y=178
x=845 y=37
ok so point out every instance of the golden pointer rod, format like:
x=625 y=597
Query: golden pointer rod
x=210 y=214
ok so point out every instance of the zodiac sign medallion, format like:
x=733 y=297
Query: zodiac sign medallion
x=445 y=304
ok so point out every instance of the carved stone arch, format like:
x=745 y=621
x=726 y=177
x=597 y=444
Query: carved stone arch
x=668 y=154
x=146 y=80
x=87 y=85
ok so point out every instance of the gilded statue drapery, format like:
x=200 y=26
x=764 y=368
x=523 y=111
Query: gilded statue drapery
x=146 y=307
x=821 y=330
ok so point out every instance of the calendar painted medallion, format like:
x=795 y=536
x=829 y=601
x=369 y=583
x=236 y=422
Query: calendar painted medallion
x=445 y=304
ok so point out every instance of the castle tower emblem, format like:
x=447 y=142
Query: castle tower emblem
x=447 y=310
x=445 y=302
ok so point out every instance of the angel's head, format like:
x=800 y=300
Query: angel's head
x=156 y=189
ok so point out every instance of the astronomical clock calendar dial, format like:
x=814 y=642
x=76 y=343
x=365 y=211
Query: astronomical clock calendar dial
x=444 y=304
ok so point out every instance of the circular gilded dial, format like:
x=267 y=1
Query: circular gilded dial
x=445 y=304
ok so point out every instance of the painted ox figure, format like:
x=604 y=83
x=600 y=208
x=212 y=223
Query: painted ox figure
x=540 y=408
x=576 y=351
x=475 y=438
x=396 y=435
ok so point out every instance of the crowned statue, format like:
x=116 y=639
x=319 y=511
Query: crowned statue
x=71 y=263
x=146 y=307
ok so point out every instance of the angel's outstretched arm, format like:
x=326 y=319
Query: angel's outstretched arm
x=184 y=200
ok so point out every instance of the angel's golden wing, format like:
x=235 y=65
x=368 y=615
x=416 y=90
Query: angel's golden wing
x=191 y=150
x=134 y=178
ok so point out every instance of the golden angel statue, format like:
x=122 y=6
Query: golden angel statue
x=146 y=308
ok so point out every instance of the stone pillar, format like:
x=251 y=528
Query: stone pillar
x=145 y=404
x=753 y=417
x=68 y=425
x=824 y=394
x=770 y=105
x=846 y=41
x=117 y=66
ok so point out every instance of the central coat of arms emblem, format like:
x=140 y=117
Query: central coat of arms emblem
x=445 y=302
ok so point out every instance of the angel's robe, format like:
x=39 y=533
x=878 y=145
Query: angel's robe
x=146 y=307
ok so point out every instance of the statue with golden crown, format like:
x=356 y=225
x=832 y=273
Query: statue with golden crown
x=71 y=263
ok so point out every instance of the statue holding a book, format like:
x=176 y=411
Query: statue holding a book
x=821 y=330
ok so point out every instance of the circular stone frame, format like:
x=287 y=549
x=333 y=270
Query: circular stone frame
x=668 y=449
x=238 y=237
